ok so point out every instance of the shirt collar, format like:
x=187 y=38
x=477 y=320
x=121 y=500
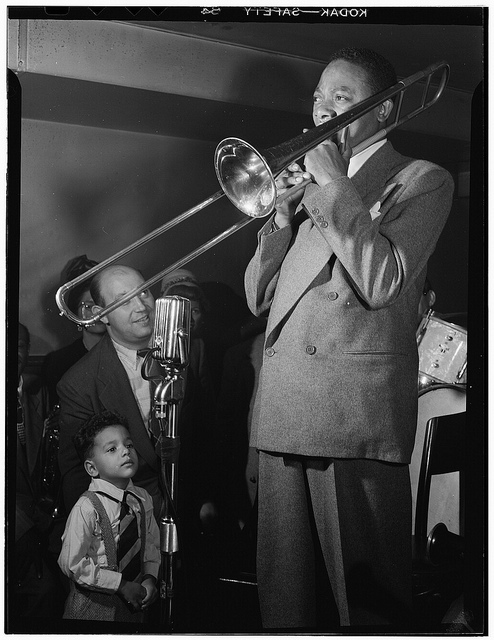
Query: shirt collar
x=130 y=354
x=358 y=160
x=109 y=489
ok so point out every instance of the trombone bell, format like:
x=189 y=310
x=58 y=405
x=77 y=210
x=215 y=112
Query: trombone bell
x=245 y=177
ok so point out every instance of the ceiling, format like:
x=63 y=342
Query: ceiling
x=410 y=48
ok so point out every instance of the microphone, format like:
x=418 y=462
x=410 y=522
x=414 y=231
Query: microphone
x=171 y=333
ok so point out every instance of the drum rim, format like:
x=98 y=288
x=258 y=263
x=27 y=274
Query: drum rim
x=433 y=316
x=443 y=385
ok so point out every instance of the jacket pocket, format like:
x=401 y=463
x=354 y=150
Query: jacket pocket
x=375 y=353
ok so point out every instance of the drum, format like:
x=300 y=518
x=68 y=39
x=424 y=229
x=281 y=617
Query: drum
x=442 y=349
x=444 y=499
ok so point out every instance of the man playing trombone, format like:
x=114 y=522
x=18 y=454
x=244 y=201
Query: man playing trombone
x=340 y=267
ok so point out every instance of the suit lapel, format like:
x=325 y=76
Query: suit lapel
x=371 y=181
x=116 y=395
x=313 y=251
x=300 y=267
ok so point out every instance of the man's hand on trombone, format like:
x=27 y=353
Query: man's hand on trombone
x=329 y=160
x=290 y=189
x=324 y=163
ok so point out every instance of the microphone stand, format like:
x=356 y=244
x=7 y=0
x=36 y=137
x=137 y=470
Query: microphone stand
x=168 y=395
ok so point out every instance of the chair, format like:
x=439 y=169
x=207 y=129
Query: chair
x=438 y=552
x=444 y=452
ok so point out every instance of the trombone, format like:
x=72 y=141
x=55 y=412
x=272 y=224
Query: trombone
x=247 y=178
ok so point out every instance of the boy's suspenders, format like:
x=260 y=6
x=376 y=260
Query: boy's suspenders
x=108 y=539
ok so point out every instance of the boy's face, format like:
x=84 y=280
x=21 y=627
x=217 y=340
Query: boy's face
x=113 y=457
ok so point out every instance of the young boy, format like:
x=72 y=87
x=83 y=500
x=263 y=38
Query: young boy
x=103 y=585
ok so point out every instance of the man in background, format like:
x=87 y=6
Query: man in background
x=108 y=378
x=35 y=587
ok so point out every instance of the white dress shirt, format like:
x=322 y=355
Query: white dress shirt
x=358 y=160
x=141 y=388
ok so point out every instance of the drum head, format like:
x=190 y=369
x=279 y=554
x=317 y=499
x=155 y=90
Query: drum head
x=442 y=349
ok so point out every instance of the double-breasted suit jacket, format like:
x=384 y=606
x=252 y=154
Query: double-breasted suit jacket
x=98 y=382
x=342 y=286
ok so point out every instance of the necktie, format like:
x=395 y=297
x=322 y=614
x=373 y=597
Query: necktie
x=129 y=544
x=21 y=431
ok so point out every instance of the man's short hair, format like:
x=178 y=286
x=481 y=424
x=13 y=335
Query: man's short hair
x=85 y=437
x=380 y=72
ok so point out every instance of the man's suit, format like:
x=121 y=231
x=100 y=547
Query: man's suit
x=28 y=471
x=96 y=383
x=340 y=367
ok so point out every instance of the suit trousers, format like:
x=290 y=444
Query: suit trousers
x=349 y=516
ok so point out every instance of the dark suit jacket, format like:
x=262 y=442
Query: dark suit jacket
x=96 y=383
x=340 y=367
x=34 y=404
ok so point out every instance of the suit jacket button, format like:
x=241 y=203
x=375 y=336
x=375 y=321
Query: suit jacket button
x=332 y=295
x=315 y=210
x=270 y=351
x=324 y=224
x=310 y=349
